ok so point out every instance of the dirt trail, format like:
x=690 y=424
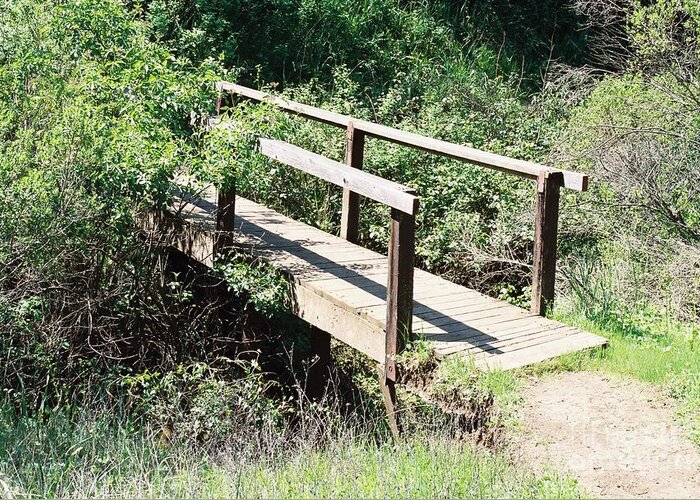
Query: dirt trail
x=617 y=437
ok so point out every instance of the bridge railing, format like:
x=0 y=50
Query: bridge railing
x=404 y=206
x=549 y=180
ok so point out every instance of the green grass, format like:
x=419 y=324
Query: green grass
x=417 y=468
x=88 y=454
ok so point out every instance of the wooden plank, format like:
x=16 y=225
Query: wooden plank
x=338 y=288
x=522 y=329
x=376 y=282
x=450 y=304
x=446 y=317
x=314 y=274
x=399 y=290
x=502 y=328
x=491 y=319
x=499 y=345
x=524 y=343
x=520 y=340
x=570 y=180
x=391 y=402
x=339 y=322
x=190 y=239
x=272 y=242
x=531 y=356
x=376 y=313
x=508 y=320
x=528 y=341
x=307 y=258
x=468 y=339
x=318 y=114
x=350 y=214
x=376 y=188
x=317 y=257
x=352 y=299
x=545 y=252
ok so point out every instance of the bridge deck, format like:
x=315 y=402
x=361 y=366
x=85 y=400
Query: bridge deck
x=340 y=287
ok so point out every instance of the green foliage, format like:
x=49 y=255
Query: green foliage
x=101 y=105
x=199 y=404
x=266 y=290
x=94 y=121
x=662 y=30
x=412 y=469
x=298 y=40
x=86 y=454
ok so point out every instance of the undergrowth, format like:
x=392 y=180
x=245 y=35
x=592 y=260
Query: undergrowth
x=100 y=454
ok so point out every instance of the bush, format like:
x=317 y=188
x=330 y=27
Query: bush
x=94 y=121
x=637 y=133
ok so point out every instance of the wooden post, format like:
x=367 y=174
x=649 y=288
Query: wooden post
x=225 y=217
x=354 y=155
x=399 y=300
x=545 y=252
x=320 y=343
x=399 y=307
x=219 y=98
x=388 y=388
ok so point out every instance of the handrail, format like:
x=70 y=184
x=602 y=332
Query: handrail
x=549 y=180
x=377 y=188
x=404 y=207
x=571 y=180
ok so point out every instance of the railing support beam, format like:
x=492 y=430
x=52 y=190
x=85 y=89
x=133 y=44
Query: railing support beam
x=354 y=155
x=225 y=217
x=545 y=251
x=399 y=300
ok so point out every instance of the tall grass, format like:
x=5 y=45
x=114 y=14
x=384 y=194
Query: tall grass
x=99 y=454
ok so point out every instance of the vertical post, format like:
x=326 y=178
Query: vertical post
x=388 y=388
x=399 y=300
x=354 y=155
x=225 y=217
x=320 y=343
x=219 y=98
x=399 y=307
x=545 y=252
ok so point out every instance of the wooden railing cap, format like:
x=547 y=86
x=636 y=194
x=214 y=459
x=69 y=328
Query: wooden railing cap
x=571 y=180
x=382 y=190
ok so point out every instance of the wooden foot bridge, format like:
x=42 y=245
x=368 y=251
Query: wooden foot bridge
x=377 y=303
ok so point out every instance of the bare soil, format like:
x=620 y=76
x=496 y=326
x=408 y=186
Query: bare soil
x=617 y=437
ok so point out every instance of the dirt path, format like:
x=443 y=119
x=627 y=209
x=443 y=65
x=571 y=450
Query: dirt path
x=616 y=436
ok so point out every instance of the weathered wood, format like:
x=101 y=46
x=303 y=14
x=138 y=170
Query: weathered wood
x=506 y=343
x=343 y=324
x=390 y=193
x=219 y=102
x=524 y=357
x=317 y=114
x=350 y=215
x=399 y=300
x=545 y=251
x=337 y=287
x=391 y=402
x=472 y=314
x=225 y=220
x=570 y=180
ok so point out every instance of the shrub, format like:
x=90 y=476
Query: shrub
x=94 y=120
